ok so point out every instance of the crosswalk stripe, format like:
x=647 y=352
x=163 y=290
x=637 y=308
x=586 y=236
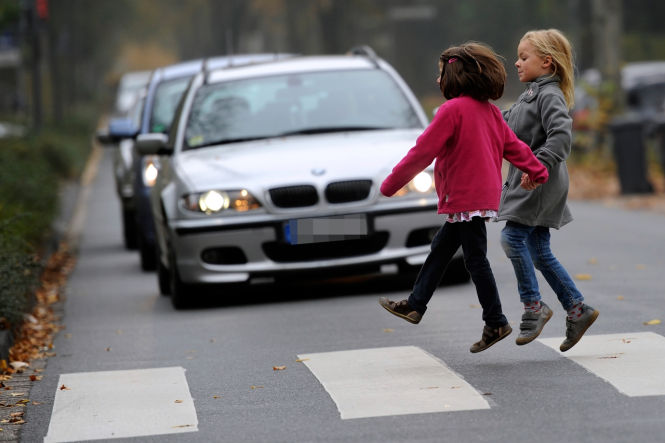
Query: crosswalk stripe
x=391 y=381
x=632 y=362
x=117 y=404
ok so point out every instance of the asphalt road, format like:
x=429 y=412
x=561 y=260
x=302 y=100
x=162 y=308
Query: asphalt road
x=229 y=345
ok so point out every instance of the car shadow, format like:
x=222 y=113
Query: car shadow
x=307 y=289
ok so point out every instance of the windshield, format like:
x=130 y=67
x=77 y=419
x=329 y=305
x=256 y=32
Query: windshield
x=167 y=96
x=297 y=103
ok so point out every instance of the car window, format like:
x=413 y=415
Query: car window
x=167 y=96
x=303 y=102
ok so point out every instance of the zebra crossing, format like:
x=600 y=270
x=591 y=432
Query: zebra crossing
x=363 y=383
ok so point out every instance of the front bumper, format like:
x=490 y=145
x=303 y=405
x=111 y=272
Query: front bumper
x=209 y=253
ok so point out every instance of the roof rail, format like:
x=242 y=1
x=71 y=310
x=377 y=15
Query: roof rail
x=367 y=51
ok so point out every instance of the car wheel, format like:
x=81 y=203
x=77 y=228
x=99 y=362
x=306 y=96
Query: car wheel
x=163 y=276
x=129 y=231
x=181 y=293
x=147 y=253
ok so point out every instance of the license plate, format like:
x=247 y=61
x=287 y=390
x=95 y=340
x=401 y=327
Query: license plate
x=325 y=229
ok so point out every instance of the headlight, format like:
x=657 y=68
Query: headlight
x=215 y=201
x=421 y=183
x=150 y=171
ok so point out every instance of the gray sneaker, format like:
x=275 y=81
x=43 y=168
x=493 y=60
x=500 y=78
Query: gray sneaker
x=575 y=329
x=532 y=324
x=401 y=309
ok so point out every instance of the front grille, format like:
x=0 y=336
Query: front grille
x=348 y=191
x=282 y=252
x=294 y=196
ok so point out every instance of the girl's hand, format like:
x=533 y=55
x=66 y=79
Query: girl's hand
x=527 y=183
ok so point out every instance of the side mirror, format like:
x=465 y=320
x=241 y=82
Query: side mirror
x=119 y=129
x=153 y=144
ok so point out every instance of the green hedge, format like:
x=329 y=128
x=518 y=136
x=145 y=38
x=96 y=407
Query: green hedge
x=31 y=171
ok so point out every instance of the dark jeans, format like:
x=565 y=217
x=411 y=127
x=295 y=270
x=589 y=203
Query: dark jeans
x=472 y=236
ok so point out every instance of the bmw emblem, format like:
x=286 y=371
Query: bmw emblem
x=318 y=172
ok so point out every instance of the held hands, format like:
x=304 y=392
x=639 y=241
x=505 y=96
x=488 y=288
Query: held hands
x=527 y=183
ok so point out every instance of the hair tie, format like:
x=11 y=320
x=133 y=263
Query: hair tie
x=452 y=60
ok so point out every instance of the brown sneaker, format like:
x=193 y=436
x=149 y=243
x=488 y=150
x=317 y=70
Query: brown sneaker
x=491 y=336
x=401 y=309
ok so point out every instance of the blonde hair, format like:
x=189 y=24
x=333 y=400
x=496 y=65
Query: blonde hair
x=551 y=42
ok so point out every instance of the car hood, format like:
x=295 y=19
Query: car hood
x=296 y=159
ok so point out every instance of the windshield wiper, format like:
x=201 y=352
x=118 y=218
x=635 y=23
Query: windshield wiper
x=323 y=130
x=225 y=141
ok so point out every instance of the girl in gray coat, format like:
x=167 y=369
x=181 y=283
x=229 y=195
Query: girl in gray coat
x=540 y=118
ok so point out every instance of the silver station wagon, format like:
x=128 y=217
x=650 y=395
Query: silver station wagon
x=273 y=169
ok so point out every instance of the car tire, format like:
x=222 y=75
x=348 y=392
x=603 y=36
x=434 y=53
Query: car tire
x=129 y=231
x=455 y=273
x=163 y=276
x=180 y=292
x=148 y=254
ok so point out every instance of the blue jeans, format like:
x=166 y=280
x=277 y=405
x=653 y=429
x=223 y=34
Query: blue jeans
x=472 y=236
x=528 y=248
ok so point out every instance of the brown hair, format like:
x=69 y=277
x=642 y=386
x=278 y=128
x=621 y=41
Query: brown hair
x=551 y=42
x=472 y=69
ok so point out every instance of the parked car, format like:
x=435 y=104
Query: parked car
x=274 y=168
x=162 y=94
x=130 y=84
x=120 y=135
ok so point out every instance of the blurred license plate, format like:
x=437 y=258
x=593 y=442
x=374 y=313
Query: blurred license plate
x=325 y=229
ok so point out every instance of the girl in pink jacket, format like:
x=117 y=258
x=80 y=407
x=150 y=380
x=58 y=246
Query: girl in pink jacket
x=467 y=139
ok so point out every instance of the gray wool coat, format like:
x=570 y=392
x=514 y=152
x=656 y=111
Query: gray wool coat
x=540 y=118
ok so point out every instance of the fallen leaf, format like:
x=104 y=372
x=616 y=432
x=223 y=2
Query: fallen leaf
x=25 y=401
x=108 y=349
x=474 y=306
x=655 y=321
x=625 y=340
x=430 y=387
x=17 y=414
x=388 y=330
x=216 y=396
x=583 y=276
x=455 y=387
x=256 y=387
x=182 y=426
x=18 y=394
x=593 y=261
x=278 y=368
x=640 y=267
x=36 y=403
x=178 y=401
x=487 y=393
x=36 y=377
x=619 y=297
x=17 y=365
x=300 y=360
x=3 y=365
x=64 y=388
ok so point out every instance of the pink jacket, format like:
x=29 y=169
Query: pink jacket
x=468 y=140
